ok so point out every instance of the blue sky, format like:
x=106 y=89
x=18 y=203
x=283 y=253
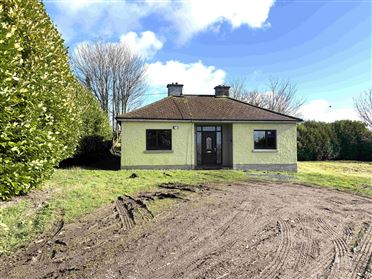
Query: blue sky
x=322 y=46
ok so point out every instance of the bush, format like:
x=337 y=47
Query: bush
x=316 y=141
x=40 y=121
x=341 y=140
x=354 y=139
x=96 y=131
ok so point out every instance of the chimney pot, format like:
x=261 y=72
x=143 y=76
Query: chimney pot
x=175 y=89
x=222 y=91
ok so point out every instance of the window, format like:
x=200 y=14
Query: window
x=264 y=139
x=158 y=139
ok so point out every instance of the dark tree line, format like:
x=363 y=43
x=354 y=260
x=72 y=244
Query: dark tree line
x=340 y=140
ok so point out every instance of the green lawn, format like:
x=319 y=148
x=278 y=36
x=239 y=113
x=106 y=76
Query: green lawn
x=354 y=177
x=75 y=192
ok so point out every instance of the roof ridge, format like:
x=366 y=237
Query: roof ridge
x=269 y=110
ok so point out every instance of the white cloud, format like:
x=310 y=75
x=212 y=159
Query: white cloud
x=194 y=16
x=196 y=77
x=186 y=18
x=321 y=110
x=145 y=44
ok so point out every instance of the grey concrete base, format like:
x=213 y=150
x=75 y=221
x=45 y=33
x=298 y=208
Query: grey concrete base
x=269 y=167
x=163 y=167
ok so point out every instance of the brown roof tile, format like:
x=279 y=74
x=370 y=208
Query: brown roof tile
x=204 y=107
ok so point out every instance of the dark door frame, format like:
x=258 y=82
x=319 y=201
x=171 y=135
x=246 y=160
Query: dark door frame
x=201 y=161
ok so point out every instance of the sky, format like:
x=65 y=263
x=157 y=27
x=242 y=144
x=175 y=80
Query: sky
x=322 y=46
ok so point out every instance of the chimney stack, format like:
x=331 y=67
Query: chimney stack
x=222 y=91
x=174 y=89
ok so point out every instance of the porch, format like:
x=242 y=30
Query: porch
x=213 y=146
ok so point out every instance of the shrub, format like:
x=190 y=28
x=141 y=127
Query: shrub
x=354 y=139
x=316 y=141
x=341 y=140
x=39 y=119
x=96 y=131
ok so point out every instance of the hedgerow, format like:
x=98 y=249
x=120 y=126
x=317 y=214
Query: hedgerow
x=96 y=132
x=340 y=140
x=40 y=117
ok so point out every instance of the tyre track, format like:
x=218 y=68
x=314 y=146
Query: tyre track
x=220 y=233
x=306 y=246
x=131 y=211
x=363 y=257
x=281 y=253
x=335 y=268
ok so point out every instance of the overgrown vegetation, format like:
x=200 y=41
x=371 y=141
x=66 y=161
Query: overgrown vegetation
x=43 y=108
x=75 y=192
x=341 y=140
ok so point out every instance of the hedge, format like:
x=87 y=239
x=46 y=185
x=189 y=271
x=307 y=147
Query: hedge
x=40 y=113
x=341 y=140
x=96 y=136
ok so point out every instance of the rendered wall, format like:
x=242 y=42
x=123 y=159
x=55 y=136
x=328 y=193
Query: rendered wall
x=134 y=154
x=245 y=157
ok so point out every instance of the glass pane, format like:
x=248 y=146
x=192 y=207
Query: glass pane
x=271 y=140
x=219 y=147
x=150 y=139
x=265 y=139
x=209 y=128
x=158 y=139
x=208 y=143
x=198 y=128
x=198 y=147
x=218 y=128
x=259 y=140
x=164 y=140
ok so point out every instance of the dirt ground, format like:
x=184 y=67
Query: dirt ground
x=240 y=230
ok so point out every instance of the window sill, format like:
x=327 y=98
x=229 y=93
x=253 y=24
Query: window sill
x=265 y=150
x=158 y=151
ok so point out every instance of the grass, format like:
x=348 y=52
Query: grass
x=353 y=177
x=75 y=192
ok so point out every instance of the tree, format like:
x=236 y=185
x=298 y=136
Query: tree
x=340 y=140
x=96 y=132
x=240 y=92
x=280 y=95
x=354 y=139
x=316 y=141
x=114 y=73
x=363 y=105
x=39 y=119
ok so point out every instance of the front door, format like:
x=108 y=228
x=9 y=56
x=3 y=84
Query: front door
x=209 y=148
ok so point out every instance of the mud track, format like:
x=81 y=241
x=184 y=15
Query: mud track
x=243 y=230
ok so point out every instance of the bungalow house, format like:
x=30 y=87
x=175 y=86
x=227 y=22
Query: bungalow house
x=207 y=131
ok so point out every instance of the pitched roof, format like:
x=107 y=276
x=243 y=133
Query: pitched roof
x=204 y=108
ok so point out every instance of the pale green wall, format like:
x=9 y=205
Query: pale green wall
x=243 y=144
x=134 y=145
x=183 y=145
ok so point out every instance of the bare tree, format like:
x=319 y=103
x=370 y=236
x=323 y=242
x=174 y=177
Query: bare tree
x=363 y=105
x=279 y=96
x=239 y=91
x=115 y=74
x=282 y=97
